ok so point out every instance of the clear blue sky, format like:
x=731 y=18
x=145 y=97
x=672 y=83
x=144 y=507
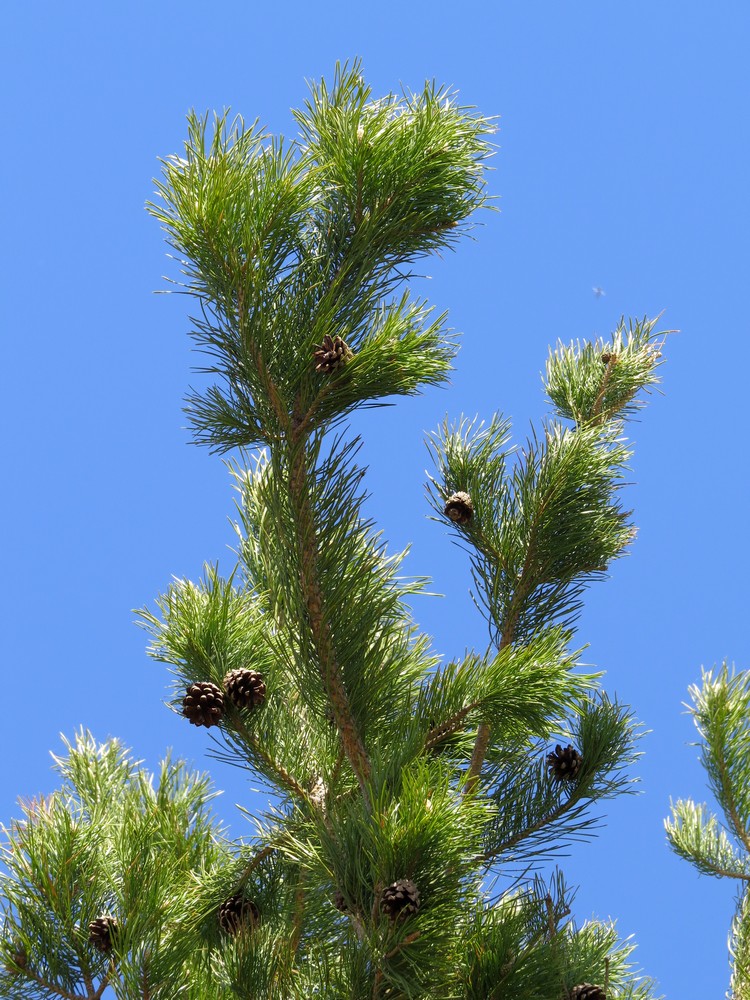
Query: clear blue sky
x=623 y=164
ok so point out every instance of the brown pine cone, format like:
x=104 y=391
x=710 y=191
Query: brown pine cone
x=333 y=353
x=564 y=763
x=203 y=704
x=245 y=688
x=236 y=914
x=20 y=958
x=459 y=507
x=339 y=902
x=587 y=991
x=400 y=899
x=102 y=933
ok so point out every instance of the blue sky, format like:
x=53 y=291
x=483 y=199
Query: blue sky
x=623 y=161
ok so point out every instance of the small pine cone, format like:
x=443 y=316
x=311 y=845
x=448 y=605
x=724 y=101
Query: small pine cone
x=339 y=902
x=400 y=899
x=564 y=764
x=245 y=688
x=203 y=704
x=607 y=357
x=587 y=991
x=459 y=507
x=237 y=913
x=102 y=933
x=20 y=958
x=333 y=353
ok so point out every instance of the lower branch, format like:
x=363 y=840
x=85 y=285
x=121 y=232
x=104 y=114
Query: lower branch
x=61 y=991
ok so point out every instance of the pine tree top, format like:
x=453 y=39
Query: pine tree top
x=415 y=796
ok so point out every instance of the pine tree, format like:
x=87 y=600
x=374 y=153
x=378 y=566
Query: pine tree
x=721 y=847
x=405 y=786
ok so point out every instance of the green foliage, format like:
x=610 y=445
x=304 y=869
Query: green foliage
x=721 y=847
x=525 y=947
x=384 y=763
x=284 y=244
x=110 y=841
x=546 y=517
x=591 y=383
x=537 y=817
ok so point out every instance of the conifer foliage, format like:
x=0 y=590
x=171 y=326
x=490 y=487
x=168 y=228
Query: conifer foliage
x=721 y=846
x=416 y=798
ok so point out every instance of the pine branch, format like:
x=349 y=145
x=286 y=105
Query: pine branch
x=317 y=617
x=275 y=767
x=728 y=796
x=539 y=812
x=60 y=991
x=695 y=835
x=482 y=740
x=538 y=534
x=720 y=708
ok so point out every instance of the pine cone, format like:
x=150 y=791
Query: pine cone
x=400 y=899
x=102 y=933
x=236 y=914
x=587 y=991
x=333 y=353
x=203 y=704
x=607 y=357
x=245 y=688
x=459 y=507
x=20 y=958
x=339 y=902
x=564 y=764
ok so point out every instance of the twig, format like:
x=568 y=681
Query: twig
x=279 y=770
x=526 y=583
x=438 y=733
x=264 y=853
x=483 y=737
x=737 y=825
x=409 y=939
x=596 y=414
x=58 y=990
x=556 y=813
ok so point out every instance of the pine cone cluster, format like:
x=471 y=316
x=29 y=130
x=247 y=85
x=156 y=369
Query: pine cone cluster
x=587 y=991
x=400 y=899
x=203 y=704
x=102 y=933
x=564 y=763
x=459 y=507
x=333 y=353
x=245 y=688
x=236 y=914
